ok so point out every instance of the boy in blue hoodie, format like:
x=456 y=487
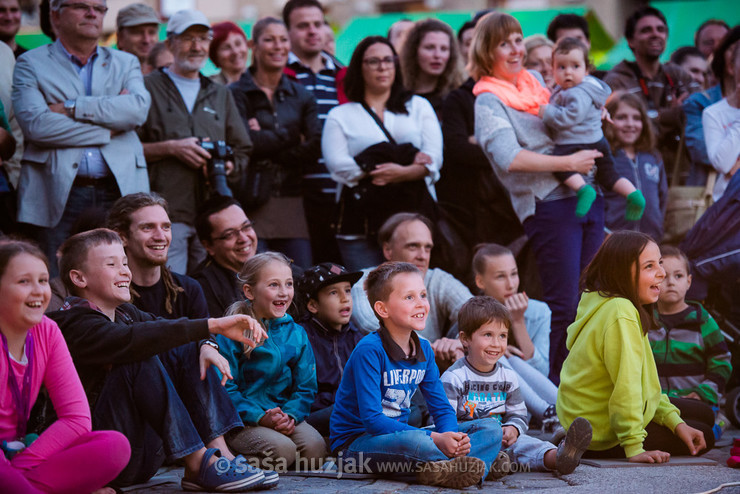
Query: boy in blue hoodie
x=369 y=425
x=327 y=288
x=574 y=118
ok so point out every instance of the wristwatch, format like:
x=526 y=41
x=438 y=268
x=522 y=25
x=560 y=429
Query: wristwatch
x=210 y=343
x=69 y=108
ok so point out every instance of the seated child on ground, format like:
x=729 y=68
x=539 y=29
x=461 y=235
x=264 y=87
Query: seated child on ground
x=275 y=384
x=369 y=424
x=328 y=289
x=480 y=388
x=574 y=117
x=142 y=376
x=528 y=351
x=34 y=353
x=690 y=352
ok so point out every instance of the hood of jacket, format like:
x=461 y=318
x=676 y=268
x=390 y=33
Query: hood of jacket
x=589 y=305
x=596 y=89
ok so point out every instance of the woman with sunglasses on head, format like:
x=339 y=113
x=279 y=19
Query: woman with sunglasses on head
x=384 y=148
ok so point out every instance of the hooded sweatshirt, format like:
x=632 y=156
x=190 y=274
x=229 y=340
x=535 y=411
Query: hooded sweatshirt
x=574 y=115
x=610 y=378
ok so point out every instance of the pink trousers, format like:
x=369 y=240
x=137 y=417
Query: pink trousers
x=89 y=463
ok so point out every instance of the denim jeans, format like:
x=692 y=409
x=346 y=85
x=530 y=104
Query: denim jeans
x=409 y=448
x=537 y=390
x=563 y=245
x=163 y=415
x=297 y=249
x=359 y=253
x=85 y=205
x=530 y=451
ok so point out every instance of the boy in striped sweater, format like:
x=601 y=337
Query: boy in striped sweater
x=478 y=387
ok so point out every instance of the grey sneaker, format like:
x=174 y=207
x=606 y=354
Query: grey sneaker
x=455 y=473
x=570 y=449
x=500 y=468
x=558 y=435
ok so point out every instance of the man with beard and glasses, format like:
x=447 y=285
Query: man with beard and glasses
x=188 y=107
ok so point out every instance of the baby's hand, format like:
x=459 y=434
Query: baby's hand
x=510 y=435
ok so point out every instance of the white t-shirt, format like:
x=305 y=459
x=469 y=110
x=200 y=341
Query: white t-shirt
x=722 y=135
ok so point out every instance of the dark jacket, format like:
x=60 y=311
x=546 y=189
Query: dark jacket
x=214 y=115
x=220 y=286
x=468 y=187
x=648 y=175
x=290 y=130
x=331 y=349
x=96 y=343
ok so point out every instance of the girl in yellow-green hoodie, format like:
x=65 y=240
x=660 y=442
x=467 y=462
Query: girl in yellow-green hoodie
x=610 y=377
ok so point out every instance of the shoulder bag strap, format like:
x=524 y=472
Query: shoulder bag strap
x=379 y=122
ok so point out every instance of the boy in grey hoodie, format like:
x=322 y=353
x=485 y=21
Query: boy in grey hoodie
x=574 y=118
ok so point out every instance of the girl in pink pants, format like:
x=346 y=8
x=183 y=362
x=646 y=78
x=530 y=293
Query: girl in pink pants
x=68 y=456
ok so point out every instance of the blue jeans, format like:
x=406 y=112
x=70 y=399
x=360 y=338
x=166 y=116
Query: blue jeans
x=563 y=246
x=297 y=249
x=359 y=253
x=85 y=209
x=185 y=252
x=164 y=410
x=530 y=451
x=408 y=449
x=537 y=390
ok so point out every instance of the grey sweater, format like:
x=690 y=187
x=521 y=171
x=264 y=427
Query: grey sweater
x=574 y=115
x=502 y=133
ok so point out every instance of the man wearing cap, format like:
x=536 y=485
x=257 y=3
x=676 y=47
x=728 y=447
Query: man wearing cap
x=78 y=105
x=137 y=30
x=186 y=108
x=327 y=292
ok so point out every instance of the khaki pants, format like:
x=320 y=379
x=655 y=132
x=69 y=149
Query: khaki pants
x=304 y=449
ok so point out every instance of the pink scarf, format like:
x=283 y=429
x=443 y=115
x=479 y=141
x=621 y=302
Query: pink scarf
x=527 y=95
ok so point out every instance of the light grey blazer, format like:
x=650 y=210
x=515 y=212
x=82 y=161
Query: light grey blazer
x=54 y=143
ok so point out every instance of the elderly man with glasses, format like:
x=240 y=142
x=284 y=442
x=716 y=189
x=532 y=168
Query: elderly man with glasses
x=186 y=109
x=78 y=105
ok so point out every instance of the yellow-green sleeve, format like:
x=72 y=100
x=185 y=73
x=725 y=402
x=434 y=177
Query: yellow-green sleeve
x=667 y=414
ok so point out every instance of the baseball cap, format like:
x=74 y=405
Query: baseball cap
x=184 y=19
x=136 y=14
x=327 y=273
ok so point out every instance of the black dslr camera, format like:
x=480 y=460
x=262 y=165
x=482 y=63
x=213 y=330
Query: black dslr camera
x=216 y=166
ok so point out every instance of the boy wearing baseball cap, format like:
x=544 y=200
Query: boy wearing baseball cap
x=327 y=289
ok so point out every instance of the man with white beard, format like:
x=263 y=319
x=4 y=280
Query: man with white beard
x=187 y=107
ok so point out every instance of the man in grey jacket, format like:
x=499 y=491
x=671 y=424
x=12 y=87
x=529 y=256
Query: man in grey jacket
x=78 y=105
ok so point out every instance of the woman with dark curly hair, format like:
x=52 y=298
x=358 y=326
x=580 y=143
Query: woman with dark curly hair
x=430 y=61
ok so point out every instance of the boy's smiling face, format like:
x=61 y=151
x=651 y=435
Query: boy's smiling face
x=333 y=305
x=487 y=345
x=104 y=277
x=407 y=306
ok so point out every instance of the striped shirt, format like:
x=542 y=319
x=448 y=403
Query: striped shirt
x=323 y=85
x=691 y=354
x=477 y=395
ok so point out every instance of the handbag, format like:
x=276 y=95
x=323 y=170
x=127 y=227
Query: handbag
x=257 y=186
x=686 y=203
x=364 y=208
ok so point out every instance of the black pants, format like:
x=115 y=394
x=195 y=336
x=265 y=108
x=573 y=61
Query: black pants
x=695 y=413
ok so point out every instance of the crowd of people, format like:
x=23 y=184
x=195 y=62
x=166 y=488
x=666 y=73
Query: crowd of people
x=294 y=259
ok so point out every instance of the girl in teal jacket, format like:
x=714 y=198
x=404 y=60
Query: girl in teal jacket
x=274 y=385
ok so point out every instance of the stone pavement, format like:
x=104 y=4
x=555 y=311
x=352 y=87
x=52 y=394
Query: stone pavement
x=586 y=479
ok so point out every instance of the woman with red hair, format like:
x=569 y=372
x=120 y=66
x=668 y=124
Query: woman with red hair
x=228 y=52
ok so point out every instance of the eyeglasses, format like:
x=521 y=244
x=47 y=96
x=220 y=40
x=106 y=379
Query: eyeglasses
x=232 y=233
x=189 y=39
x=374 y=63
x=84 y=8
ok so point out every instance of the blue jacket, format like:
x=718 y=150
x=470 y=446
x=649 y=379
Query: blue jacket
x=374 y=396
x=279 y=373
x=648 y=175
x=694 y=133
x=331 y=350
